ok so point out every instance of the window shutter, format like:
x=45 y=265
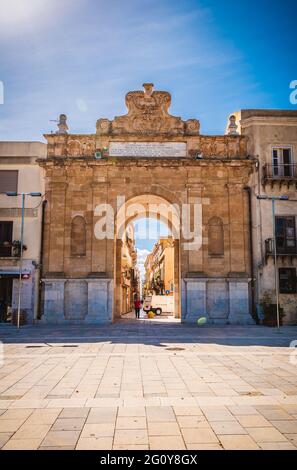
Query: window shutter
x=8 y=180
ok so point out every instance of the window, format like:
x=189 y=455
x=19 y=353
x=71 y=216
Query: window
x=282 y=162
x=287 y=280
x=215 y=237
x=78 y=236
x=285 y=235
x=8 y=180
x=5 y=238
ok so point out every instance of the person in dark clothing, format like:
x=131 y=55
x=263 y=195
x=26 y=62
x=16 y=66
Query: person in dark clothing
x=137 y=307
x=2 y=311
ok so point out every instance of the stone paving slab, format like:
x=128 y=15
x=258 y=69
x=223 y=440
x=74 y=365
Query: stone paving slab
x=136 y=385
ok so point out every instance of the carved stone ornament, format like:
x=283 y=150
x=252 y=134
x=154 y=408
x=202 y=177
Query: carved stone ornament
x=232 y=127
x=148 y=115
x=103 y=126
x=62 y=124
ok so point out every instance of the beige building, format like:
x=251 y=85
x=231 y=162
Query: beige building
x=159 y=267
x=272 y=139
x=19 y=172
x=148 y=274
x=129 y=273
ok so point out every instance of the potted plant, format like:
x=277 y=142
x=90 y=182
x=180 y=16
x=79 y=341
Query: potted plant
x=269 y=309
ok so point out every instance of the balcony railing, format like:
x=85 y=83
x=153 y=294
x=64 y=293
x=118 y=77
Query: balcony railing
x=280 y=250
x=283 y=172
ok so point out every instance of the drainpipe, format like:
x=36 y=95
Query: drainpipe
x=248 y=190
x=44 y=203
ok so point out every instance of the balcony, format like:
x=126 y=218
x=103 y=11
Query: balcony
x=280 y=174
x=290 y=251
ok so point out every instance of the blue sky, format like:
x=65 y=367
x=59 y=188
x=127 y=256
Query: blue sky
x=80 y=57
x=147 y=232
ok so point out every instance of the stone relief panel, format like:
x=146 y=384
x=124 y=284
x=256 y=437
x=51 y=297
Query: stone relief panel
x=74 y=148
x=75 y=300
x=217 y=299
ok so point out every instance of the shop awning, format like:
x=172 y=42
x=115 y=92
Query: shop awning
x=13 y=273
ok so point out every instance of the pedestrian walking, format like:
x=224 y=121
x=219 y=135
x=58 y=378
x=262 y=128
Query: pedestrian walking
x=137 y=307
x=2 y=311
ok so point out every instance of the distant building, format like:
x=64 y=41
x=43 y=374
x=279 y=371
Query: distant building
x=129 y=273
x=159 y=268
x=19 y=172
x=148 y=275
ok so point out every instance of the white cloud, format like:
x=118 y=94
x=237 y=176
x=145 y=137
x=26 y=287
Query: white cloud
x=28 y=16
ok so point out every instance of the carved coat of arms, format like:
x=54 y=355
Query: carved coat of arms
x=148 y=115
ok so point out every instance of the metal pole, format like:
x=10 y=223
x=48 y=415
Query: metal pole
x=21 y=261
x=275 y=266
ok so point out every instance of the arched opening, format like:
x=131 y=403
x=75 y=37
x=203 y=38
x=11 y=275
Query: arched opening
x=147 y=264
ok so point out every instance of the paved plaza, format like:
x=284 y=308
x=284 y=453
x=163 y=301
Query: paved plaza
x=148 y=385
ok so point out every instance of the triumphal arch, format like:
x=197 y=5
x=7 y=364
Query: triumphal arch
x=146 y=163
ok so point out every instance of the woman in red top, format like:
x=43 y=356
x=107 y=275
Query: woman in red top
x=137 y=306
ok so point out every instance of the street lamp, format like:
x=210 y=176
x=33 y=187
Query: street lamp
x=14 y=194
x=273 y=199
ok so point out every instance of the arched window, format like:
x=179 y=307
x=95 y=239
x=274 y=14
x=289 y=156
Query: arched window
x=215 y=237
x=78 y=236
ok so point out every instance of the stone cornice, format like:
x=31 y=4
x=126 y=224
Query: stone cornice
x=143 y=162
x=269 y=121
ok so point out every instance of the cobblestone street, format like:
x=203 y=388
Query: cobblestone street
x=142 y=385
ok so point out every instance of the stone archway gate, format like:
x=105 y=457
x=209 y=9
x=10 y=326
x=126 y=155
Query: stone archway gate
x=146 y=152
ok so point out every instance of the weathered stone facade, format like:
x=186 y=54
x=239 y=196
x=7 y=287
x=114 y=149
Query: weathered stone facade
x=213 y=170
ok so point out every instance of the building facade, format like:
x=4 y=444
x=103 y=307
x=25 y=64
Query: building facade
x=161 y=164
x=159 y=267
x=129 y=273
x=272 y=139
x=148 y=275
x=20 y=173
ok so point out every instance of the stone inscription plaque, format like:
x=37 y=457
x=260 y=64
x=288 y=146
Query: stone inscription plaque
x=148 y=149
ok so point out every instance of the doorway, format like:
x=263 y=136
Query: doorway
x=6 y=284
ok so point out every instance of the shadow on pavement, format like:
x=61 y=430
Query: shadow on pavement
x=150 y=333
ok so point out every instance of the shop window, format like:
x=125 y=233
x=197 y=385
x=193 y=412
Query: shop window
x=8 y=181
